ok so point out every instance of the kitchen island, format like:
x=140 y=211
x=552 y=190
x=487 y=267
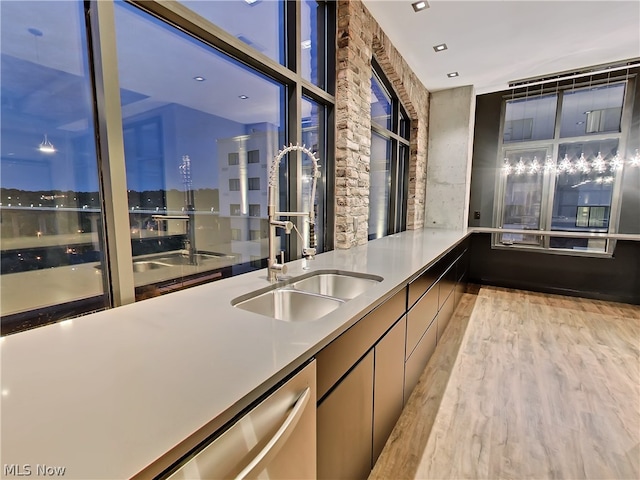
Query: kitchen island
x=126 y=391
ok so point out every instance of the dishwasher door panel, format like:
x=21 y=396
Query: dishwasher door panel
x=274 y=440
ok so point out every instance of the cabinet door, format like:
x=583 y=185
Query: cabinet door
x=388 y=391
x=344 y=422
x=419 y=358
x=340 y=355
x=445 y=314
x=420 y=317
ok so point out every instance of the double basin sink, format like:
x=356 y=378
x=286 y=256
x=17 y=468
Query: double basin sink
x=172 y=259
x=307 y=297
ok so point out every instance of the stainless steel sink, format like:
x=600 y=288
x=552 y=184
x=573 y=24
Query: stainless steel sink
x=337 y=285
x=308 y=297
x=290 y=305
x=144 y=266
x=183 y=259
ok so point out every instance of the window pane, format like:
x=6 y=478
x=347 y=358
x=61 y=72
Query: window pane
x=253 y=156
x=258 y=23
x=404 y=130
x=402 y=187
x=51 y=218
x=592 y=110
x=522 y=195
x=380 y=185
x=380 y=104
x=254 y=210
x=254 y=183
x=586 y=175
x=528 y=119
x=198 y=170
x=313 y=136
x=313 y=43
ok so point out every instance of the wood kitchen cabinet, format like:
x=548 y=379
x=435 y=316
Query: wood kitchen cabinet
x=344 y=425
x=388 y=393
x=360 y=386
x=366 y=375
x=433 y=296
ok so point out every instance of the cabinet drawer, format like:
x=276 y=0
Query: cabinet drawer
x=420 y=285
x=340 y=355
x=419 y=318
x=446 y=284
x=445 y=314
x=418 y=359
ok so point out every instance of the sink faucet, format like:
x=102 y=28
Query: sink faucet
x=309 y=250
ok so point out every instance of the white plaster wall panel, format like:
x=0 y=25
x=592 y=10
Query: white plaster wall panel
x=444 y=201
x=449 y=157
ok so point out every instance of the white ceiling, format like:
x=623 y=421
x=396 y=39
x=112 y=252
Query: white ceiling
x=491 y=43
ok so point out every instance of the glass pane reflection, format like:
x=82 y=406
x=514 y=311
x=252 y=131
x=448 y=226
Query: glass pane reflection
x=583 y=192
x=523 y=196
x=259 y=24
x=313 y=136
x=380 y=104
x=197 y=153
x=529 y=119
x=592 y=110
x=49 y=197
x=380 y=186
x=312 y=41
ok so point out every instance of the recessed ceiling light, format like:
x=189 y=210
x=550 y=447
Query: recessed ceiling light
x=421 y=5
x=453 y=74
x=440 y=48
x=199 y=79
x=242 y=97
x=580 y=123
x=251 y=2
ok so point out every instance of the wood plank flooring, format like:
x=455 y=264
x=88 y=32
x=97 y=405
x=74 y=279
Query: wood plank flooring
x=538 y=386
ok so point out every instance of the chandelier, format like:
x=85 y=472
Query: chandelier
x=567 y=165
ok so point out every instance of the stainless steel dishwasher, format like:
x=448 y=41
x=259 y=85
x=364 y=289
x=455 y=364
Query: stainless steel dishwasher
x=274 y=440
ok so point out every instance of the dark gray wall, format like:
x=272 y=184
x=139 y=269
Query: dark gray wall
x=485 y=154
x=613 y=279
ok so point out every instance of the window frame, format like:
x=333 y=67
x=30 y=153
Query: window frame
x=398 y=135
x=102 y=53
x=552 y=147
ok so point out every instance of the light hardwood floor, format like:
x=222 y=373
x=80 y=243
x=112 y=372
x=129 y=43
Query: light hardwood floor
x=525 y=386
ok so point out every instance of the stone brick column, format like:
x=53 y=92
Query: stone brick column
x=358 y=38
x=353 y=124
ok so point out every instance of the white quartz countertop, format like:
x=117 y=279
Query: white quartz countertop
x=107 y=394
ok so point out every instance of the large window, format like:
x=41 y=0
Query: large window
x=562 y=166
x=50 y=199
x=203 y=116
x=388 y=180
x=201 y=125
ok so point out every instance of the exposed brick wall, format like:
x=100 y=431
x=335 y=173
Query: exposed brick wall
x=358 y=38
